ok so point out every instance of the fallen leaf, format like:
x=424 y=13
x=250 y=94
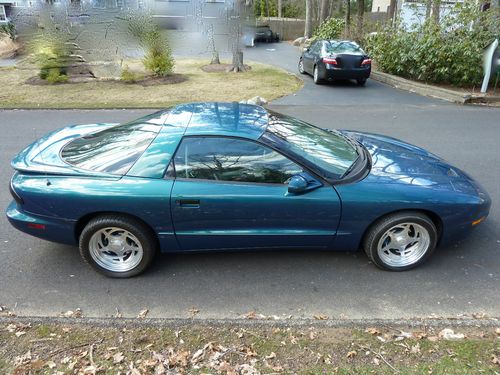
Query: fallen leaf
x=351 y=354
x=497 y=331
x=72 y=314
x=495 y=360
x=271 y=356
x=376 y=361
x=20 y=333
x=479 y=315
x=50 y=364
x=142 y=314
x=251 y=315
x=118 y=357
x=320 y=317
x=193 y=311
x=415 y=349
x=449 y=334
x=372 y=331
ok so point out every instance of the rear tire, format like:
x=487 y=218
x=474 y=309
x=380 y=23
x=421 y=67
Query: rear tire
x=361 y=82
x=117 y=246
x=317 y=80
x=401 y=241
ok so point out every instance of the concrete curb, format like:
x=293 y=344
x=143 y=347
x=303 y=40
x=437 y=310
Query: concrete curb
x=330 y=323
x=433 y=91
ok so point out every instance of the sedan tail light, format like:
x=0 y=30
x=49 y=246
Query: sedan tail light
x=330 y=60
x=366 y=62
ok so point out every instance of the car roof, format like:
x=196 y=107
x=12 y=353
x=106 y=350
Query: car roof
x=220 y=118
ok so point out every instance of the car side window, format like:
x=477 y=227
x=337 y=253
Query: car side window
x=316 y=48
x=231 y=159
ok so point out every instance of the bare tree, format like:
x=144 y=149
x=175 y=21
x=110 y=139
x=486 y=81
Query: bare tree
x=436 y=6
x=361 y=13
x=308 y=25
x=280 y=8
x=392 y=11
x=347 y=30
x=428 y=8
x=235 y=17
x=325 y=7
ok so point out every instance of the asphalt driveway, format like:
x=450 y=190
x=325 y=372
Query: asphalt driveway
x=42 y=278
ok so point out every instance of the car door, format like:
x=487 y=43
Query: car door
x=231 y=193
x=309 y=57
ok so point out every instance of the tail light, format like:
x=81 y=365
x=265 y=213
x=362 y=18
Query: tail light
x=330 y=60
x=366 y=62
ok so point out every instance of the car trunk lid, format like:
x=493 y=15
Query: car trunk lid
x=43 y=155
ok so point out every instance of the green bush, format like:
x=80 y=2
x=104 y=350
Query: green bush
x=129 y=76
x=8 y=29
x=158 y=57
x=330 y=28
x=450 y=52
x=56 y=76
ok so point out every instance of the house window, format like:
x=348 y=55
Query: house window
x=3 y=15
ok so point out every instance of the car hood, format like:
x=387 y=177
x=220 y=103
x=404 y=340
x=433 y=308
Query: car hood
x=43 y=155
x=398 y=162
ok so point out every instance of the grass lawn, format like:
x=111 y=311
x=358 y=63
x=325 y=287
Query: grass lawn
x=197 y=348
x=262 y=80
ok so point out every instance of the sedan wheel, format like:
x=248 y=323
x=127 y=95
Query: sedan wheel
x=301 y=67
x=117 y=246
x=316 y=78
x=401 y=241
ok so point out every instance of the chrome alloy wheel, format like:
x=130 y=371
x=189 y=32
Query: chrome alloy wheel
x=301 y=66
x=115 y=249
x=403 y=244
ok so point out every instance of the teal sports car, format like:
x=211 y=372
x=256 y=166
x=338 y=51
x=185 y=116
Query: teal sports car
x=229 y=176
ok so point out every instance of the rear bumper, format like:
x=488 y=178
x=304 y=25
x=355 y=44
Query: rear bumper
x=50 y=229
x=339 y=73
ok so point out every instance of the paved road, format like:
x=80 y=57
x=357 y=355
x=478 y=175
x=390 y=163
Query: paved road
x=41 y=278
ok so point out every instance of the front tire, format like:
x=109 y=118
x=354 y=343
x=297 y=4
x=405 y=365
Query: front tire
x=301 y=66
x=117 y=246
x=401 y=241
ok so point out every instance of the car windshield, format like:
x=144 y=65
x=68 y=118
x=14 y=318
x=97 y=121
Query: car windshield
x=116 y=149
x=342 y=47
x=327 y=150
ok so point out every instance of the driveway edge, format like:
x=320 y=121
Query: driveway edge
x=332 y=323
x=433 y=91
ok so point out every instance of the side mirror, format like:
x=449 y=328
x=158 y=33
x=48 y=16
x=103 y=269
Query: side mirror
x=297 y=185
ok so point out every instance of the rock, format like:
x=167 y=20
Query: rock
x=449 y=334
x=257 y=100
x=299 y=41
x=105 y=69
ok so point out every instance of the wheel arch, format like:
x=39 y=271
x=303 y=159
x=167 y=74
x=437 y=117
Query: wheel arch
x=435 y=218
x=84 y=220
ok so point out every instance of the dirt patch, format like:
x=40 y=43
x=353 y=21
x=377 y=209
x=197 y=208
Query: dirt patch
x=220 y=68
x=147 y=81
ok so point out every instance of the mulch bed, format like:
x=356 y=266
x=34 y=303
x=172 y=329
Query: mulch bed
x=147 y=81
x=220 y=68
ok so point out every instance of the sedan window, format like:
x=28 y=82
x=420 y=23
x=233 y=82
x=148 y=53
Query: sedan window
x=343 y=47
x=231 y=159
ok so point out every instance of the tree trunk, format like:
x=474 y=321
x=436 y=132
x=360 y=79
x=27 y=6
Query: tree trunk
x=428 y=8
x=361 y=13
x=436 y=6
x=280 y=7
x=347 y=29
x=392 y=11
x=236 y=14
x=325 y=5
x=308 y=27
x=237 y=63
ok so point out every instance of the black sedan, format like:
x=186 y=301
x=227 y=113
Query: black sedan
x=327 y=60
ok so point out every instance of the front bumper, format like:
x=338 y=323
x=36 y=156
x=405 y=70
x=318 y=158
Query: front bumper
x=50 y=229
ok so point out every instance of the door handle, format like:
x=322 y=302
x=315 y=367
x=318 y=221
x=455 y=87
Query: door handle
x=188 y=203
